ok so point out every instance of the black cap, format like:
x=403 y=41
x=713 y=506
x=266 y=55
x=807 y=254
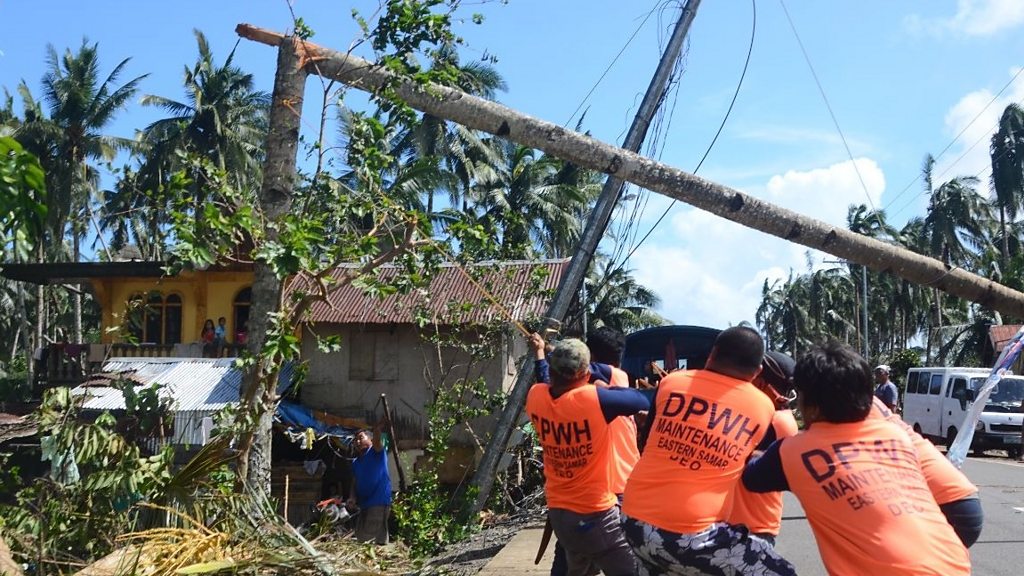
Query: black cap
x=777 y=370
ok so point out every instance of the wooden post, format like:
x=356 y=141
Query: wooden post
x=394 y=443
x=287 y=486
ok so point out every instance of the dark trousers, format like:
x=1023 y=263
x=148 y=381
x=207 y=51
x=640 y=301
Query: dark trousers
x=592 y=542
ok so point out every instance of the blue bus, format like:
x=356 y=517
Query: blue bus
x=670 y=347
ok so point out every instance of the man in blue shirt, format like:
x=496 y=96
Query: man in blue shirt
x=371 y=486
x=885 y=390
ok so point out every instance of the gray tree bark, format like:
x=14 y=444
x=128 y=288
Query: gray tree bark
x=259 y=386
x=491 y=117
x=76 y=297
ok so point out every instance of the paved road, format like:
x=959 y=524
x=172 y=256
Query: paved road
x=999 y=551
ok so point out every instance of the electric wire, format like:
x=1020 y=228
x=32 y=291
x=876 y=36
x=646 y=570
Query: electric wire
x=831 y=113
x=612 y=63
x=628 y=228
x=939 y=177
x=953 y=141
x=721 y=127
x=985 y=136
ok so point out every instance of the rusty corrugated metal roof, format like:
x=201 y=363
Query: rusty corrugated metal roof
x=1001 y=334
x=13 y=427
x=451 y=298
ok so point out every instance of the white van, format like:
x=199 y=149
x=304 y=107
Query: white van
x=937 y=399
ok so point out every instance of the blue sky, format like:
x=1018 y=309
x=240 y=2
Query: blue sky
x=903 y=79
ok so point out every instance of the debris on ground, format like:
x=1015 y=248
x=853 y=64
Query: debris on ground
x=472 y=554
x=7 y=564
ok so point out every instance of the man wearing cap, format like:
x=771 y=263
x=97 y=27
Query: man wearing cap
x=571 y=419
x=605 y=347
x=762 y=513
x=885 y=390
x=703 y=427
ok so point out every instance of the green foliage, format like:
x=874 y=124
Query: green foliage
x=14 y=387
x=302 y=30
x=430 y=517
x=22 y=197
x=147 y=414
x=901 y=361
x=14 y=384
x=63 y=518
x=10 y=478
x=425 y=518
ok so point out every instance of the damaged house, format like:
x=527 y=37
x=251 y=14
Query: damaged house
x=152 y=326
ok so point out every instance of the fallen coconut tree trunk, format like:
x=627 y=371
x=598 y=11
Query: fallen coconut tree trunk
x=487 y=116
x=480 y=114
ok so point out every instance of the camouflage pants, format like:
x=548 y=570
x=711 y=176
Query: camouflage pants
x=720 y=550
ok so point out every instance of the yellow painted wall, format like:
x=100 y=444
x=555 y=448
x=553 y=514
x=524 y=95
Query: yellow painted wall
x=204 y=294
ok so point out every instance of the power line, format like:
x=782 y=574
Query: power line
x=628 y=229
x=831 y=113
x=721 y=126
x=953 y=141
x=612 y=63
x=985 y=136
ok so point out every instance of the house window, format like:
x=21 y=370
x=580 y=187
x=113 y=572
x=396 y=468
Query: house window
x=373 y=355
x=240 y=314
x=154 y=319
x=172 y=319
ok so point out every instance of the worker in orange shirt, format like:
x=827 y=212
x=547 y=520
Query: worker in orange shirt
x=571 y=419
x=857 y=478
x=956 y=496
x=605 y=346
x=761 y=513
x=703 y=427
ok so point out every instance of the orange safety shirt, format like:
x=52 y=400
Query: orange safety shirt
x=762 y=512
x=868 y=503
x=947 y=483
x=625 y=452
x=704 y=427
x=577 y=453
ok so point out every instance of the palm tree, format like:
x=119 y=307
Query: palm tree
x=783 y=315
x=615 y=299
x=1007 y=152
x=524 y=201
x=832 y=295
x=954 y=224
x=871 y=223
x=130 y=216
x=81 y=106
x=458 y=150
x=223 y=120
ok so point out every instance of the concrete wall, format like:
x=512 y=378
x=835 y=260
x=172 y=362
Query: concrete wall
x=392 y=359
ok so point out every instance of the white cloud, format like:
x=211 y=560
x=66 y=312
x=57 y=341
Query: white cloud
x=973 y=18
x=972 y=121
x=826 y=193
x=709 y=271
x=801 y=136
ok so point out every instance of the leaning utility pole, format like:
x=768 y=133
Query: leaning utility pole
x=483 y=478
x=729 y=203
